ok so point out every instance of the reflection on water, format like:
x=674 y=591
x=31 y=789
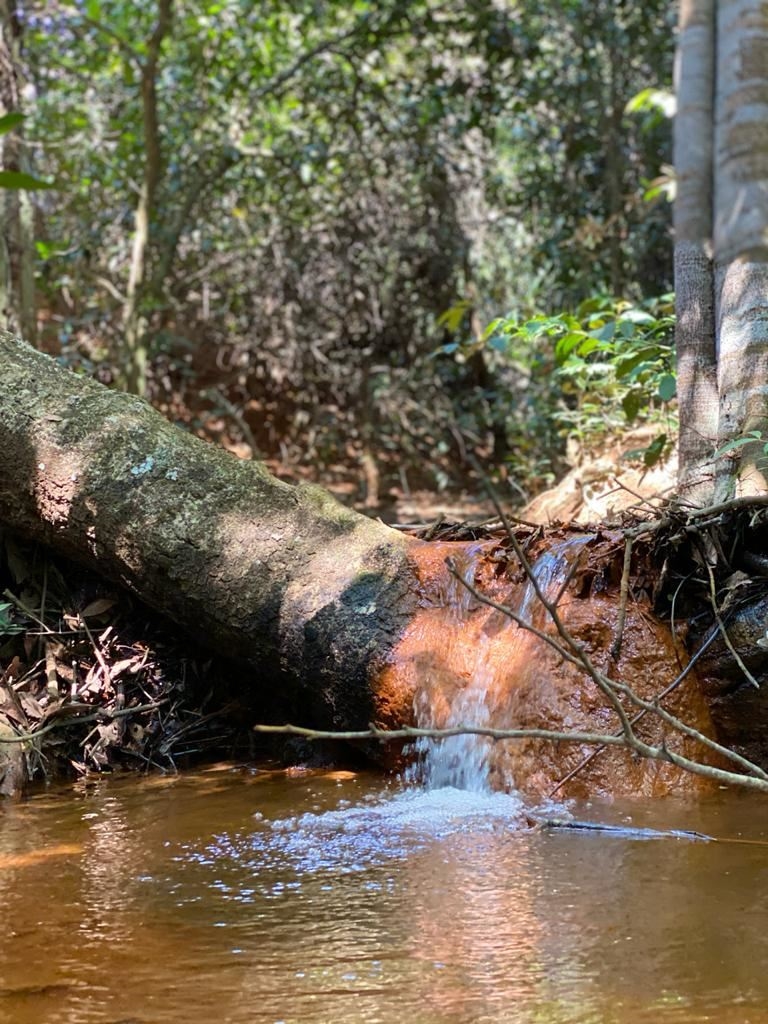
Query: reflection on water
x=237 y=896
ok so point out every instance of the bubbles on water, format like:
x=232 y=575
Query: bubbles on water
x=351 y=839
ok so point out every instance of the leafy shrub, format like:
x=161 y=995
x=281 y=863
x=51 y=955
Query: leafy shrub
x=580 y=377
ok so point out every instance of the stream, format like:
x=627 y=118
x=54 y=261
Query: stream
x=239 y=895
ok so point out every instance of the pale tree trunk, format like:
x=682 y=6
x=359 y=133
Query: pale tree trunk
x=17 y=274
x=694 y=286
x=741 y=238
x=614 y=162
x=721 y=156
x=135 y=321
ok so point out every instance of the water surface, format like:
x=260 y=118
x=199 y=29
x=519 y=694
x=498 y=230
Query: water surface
x=232 y=895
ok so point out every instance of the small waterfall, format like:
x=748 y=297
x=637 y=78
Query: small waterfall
x=464 y=762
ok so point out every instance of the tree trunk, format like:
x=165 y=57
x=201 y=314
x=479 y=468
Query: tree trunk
x=741 y=244
x=308 y=593
x=695 y=331
x=135 y=320
x=17 y=272
x=721 y=248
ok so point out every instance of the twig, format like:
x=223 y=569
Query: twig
x=619 y=830
x=97 y=651
x=623 y=597
x=100 y=715
x=413 y=732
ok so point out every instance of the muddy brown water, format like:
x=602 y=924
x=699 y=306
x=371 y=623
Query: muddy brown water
x=233 y=895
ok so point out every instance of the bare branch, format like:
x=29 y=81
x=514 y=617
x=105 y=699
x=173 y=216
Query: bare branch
x=660 y=753
x=409 y=732
x=723 y=631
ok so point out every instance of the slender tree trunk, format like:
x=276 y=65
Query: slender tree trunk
x=695 y=332
x=135 y=320
x=741 y=240
x=17 y=272
x=614 y=165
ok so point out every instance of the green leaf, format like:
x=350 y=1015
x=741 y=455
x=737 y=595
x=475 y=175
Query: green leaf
x=625 y=330
x=656 y=100
x=667 y=387
x=568 y=343
x=592 y=344
x=739 y=442
x=9 y=121
x=490 y=330
x=18 y=179
x=628 y=363
x=8 y=628
x=453 y=316
x=606 y=332
x=655 y=450
x=632 y=403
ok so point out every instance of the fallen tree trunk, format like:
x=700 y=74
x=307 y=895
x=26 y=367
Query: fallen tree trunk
x=310 y=594
x=342 y=620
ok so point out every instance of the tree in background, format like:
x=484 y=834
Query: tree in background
x=273 y=208
x=17 y=272
x=721 y=247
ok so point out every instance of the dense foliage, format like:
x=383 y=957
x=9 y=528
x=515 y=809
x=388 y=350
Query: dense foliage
x=334 y=193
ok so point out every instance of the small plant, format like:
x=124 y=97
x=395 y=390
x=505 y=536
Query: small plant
x=7 y=627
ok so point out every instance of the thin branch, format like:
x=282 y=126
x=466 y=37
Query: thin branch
x=413 y=733
x=623 y=598
x=97 y=716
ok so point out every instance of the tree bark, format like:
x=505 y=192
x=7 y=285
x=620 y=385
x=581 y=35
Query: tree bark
x=17 y=271
x=741 y=240
x=134 y=316
x=694 y=287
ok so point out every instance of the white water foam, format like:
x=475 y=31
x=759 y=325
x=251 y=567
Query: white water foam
x=353 y=838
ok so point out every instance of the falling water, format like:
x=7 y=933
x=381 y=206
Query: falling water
x=463 y=762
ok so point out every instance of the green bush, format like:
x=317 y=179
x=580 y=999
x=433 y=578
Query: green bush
x=579 y=377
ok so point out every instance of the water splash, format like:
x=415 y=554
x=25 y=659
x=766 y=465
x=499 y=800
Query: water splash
x=464 y=762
